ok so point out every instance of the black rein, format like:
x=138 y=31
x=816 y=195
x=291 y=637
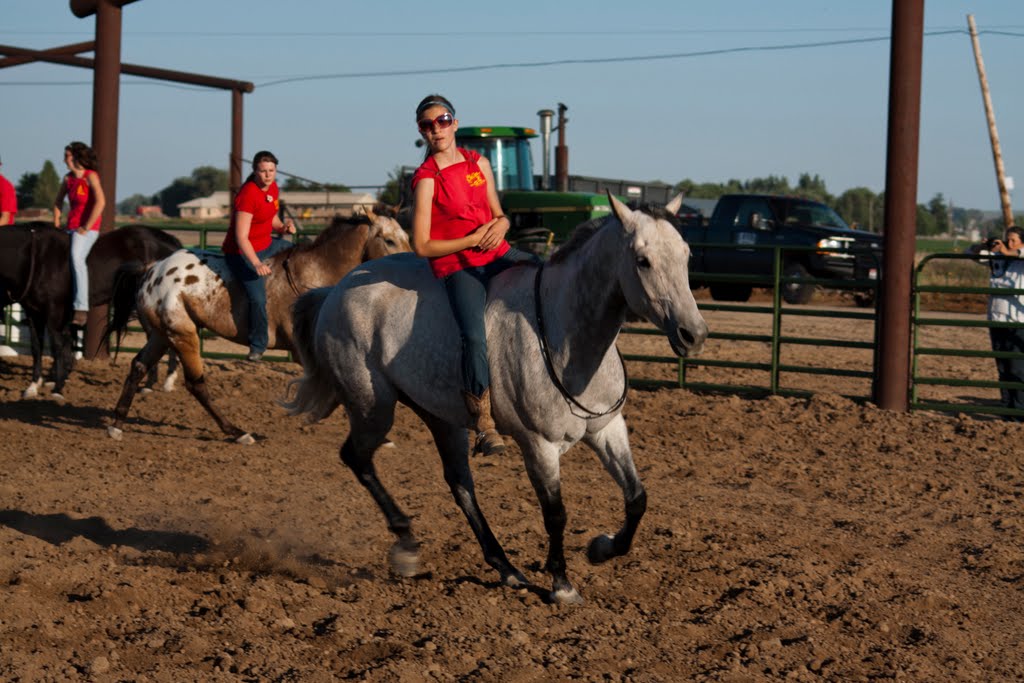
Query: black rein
x=569 y=398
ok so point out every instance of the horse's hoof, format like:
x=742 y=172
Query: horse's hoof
x=168 y=385
x=58 y=399
x=145 y=390
x=515 y=580
x=566 y=597
x=388 y=443
x=404 y=562
x=49 y=385
x=31 y=392
x=246 y=439
x=114 y=433
x=602 y=549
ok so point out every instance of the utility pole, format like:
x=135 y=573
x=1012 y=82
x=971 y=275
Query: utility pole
x=993 y=134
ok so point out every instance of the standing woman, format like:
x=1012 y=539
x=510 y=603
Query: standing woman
x=249 y=241
x=86 y=202
x=459 y=226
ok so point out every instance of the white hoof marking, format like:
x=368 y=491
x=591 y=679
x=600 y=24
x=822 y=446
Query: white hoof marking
x=114 y=433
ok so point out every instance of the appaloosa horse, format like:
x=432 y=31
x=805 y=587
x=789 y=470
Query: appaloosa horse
x=386 y=333
x=182 y=293
x=35 y=272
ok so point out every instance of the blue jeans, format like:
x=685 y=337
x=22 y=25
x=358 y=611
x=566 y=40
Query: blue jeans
x=1010 y=369
x=256 y=289
x=467 y=294
x=81 y=245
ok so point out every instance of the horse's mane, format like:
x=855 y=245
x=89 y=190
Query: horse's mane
x=584 y=231
x=338 y=226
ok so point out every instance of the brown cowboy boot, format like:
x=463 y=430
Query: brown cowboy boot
x=488 y=441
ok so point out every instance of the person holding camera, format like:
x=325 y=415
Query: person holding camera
x=1008 y=273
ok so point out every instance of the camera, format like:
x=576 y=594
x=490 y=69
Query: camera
x=991 y=242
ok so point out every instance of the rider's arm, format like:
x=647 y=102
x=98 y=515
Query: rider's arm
x=494 y=232
x=62 y=192
x=98 y=204
x=243 y=223
x=421 y=242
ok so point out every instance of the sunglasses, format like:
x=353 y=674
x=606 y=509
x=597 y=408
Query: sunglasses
x=440 y=123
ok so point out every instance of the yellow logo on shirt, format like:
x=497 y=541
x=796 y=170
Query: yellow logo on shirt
x=80 y=191
x=475 y=179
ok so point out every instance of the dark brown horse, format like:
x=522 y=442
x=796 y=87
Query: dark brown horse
x=184 y=292
x=35 y=272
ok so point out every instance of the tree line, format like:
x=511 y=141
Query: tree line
x=859 y=206
x=38 y=190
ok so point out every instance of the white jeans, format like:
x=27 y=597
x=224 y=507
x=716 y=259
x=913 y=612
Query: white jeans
x=81 y=245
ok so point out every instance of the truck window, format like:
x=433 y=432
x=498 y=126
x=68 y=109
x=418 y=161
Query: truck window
x=748 y=209
x=811 y=213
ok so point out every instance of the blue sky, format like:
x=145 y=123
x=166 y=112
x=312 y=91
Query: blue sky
x=643 y=115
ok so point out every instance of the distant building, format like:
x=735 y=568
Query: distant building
x=302 y=205
x=149 y=211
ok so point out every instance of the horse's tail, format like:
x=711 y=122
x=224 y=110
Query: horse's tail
x=127 y=279
x=315 y=393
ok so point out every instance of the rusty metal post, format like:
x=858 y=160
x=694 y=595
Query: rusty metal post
x=105 y=93
x=561 y=153
x=235 y=160
x=892 y=366
x=993 y=133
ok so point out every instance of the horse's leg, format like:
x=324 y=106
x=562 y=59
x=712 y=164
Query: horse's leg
x=542 y=466
x=63 y=355
x=453 y=445
x=187 y=348
x=37 y=334
x=172 y=371
x=367 y=434
x=144 y=360
x=612 y=446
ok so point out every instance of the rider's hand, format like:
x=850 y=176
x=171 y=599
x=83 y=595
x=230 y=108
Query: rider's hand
x=493 y=234
x=263 y=270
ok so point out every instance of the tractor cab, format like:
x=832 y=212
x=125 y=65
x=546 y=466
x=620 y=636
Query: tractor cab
x=508 y=150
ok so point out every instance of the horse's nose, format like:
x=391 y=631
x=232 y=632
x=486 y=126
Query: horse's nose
x=690 y=339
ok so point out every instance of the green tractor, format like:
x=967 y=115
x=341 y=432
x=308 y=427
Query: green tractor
x=544 y=213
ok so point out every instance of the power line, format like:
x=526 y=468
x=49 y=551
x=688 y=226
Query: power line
x=592 y=60
x=550 y=63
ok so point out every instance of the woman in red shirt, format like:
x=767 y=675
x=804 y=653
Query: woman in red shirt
x=249 y=243
x=86 y=202
x=459 y=226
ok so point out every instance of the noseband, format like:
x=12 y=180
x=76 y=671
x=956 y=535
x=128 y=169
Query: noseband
x=569 y=398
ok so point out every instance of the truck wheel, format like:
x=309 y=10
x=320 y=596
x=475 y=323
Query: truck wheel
x=865 y=299
x=724 y=291
x=796 y=292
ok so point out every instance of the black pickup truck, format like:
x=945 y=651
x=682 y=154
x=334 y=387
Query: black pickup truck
x=741 y=222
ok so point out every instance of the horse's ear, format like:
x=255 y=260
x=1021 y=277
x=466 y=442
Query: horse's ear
x=677 y=203
x=620 y=210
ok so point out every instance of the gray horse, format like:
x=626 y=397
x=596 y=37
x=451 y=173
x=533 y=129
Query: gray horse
x=385 y=334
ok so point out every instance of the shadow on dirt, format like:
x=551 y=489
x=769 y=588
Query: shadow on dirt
x=58 y=529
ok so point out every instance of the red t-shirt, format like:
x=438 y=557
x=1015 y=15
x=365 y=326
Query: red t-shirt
x=8 y=198
x=459 y=207
x=81 y=199
x=263 y=207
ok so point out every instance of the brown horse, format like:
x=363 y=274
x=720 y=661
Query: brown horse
x=184 y=292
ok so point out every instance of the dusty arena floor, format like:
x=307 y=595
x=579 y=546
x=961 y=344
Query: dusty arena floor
x=786 y=539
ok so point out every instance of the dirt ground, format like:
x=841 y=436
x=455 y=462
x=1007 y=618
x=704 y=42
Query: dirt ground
x=785 y=539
